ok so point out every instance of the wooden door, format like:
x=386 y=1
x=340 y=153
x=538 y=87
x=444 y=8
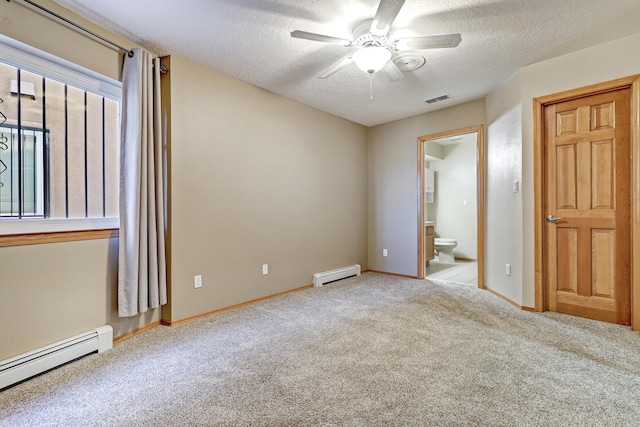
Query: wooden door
x=587 y=187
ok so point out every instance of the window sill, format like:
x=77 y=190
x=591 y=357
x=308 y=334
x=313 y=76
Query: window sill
x=39 y=231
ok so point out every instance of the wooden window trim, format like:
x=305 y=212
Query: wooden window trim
x=56 y=237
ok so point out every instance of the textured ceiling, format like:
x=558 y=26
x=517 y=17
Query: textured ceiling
x=249 y=40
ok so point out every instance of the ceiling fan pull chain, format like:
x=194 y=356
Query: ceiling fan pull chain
x=371 y=86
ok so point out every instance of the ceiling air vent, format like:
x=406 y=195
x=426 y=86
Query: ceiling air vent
x=437 y=99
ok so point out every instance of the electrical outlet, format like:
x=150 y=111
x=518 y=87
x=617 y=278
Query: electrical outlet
x=384 y=252
x=265 y=269
x=507 y=270
x=197 y=281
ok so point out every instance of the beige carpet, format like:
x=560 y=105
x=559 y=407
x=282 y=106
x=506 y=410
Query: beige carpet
x=375 y=350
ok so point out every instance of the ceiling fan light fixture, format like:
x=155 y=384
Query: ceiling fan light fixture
x=371 y=59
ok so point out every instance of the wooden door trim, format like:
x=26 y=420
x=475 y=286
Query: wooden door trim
x=480 y=162
x=632 y=82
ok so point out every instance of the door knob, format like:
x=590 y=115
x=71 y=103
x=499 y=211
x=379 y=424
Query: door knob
x=553 y=218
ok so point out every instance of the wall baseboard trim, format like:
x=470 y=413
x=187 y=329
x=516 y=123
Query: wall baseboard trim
x=164 y=322
x=513 y=303
x=466 y=259
x=27 y=365
x=390 y=274
x=231 y=307
x=136 y=332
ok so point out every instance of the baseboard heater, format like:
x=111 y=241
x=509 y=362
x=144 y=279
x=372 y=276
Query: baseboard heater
x=35 y=362
x=320 y=279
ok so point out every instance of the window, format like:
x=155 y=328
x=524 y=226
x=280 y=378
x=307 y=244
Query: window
x=22 y=168
x=59 y=143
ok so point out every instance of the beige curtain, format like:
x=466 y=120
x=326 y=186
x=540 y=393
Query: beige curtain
x=142 y=266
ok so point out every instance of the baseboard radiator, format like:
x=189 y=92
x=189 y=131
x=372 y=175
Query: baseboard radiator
x=35 y=362
x=320 y=279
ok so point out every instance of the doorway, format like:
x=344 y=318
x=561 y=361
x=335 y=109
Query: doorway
x=425 y=247
x=586 y=202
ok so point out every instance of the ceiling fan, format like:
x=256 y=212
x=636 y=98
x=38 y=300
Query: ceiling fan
x=375 y=48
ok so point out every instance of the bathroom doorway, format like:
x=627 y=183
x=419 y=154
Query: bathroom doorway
x=446 y=165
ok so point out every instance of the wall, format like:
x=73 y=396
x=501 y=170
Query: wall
x=50 y=292
x=509 y=152
x=54 y=291
x=239 y=154
x=510 y=222
x=22 y=22
x=503 y=216
x=254 y=178
x=257 y=179
x=455 y=182
x=393 y=183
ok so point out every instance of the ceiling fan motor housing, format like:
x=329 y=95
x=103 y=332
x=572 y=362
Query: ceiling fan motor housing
x=375 y=49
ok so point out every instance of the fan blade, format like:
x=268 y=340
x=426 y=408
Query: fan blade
x=320 y=38
x=386 y=14
x=392 y=71
x=337 y=66
x=428 y=42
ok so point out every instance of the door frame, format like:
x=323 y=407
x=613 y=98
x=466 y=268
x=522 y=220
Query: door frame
x=632 y=82
x=480 y=165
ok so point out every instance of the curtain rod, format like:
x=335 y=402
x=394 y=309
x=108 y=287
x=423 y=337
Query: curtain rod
x=80 y=27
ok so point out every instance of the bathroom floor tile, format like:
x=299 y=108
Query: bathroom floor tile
x=460 y=272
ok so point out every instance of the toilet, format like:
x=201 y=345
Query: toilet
x=445 y=250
